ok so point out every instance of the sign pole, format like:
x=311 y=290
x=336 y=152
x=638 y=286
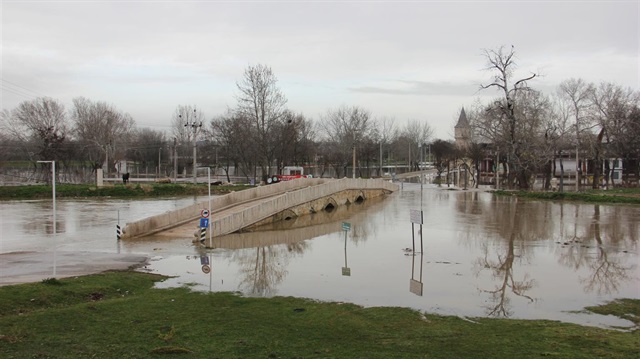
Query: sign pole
x=210 y=223
x=346 y=227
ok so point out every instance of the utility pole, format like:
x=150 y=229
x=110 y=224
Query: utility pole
x=175 y=160
x=380 y=174
x=353 y=175
x=106 y=171
x=196 y=127
x=577 y=160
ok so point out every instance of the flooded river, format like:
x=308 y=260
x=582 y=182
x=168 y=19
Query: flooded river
x=475 y=255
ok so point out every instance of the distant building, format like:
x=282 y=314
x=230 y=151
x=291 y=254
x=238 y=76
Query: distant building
x=462 y=131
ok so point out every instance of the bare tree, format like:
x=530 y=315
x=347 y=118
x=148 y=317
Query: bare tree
x=345 y=129
x=415 y=135
x=296 y=136
x=502 y=63
x=148 y=147
x=613 y=109
x=40 y=127
x=186 y=125
x=229 y=133
x=102 y=130
x=262 y=103
x=560 y=131
x=385 y=132
x=575 y=93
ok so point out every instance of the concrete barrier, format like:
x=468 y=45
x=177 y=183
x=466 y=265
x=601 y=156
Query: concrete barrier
x=284 y=195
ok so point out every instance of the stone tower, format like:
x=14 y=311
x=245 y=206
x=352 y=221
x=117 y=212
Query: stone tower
x=462 y=131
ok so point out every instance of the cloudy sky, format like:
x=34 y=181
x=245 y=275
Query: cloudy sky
x=410 y=60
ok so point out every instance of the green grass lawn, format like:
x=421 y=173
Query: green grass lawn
x=622 y=195
x=121 y=315
x=117 y=190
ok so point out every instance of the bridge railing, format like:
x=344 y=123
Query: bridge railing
x=293 y=193
x=253 y=214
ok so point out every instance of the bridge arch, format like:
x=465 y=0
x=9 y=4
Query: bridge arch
x=329 y=204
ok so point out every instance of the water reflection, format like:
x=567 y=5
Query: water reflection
x=606 y=270
x=484 y=255
x=415 y=283
x=346 y=271
x=500 y=262
x=80 y=224
x=595 y=242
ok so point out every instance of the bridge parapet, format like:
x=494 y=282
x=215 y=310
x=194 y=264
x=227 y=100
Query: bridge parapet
x=281 y=196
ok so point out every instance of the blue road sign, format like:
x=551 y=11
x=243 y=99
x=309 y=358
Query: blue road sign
x=204 y=222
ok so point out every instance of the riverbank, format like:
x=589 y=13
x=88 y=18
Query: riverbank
x=616 y=195
x=120 y=314
x=114 y=190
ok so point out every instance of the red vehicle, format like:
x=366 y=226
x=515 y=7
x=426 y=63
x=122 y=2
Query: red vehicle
x=288 y=173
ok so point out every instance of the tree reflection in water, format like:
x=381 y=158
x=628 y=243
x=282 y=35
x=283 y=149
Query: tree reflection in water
x=606 y=272
x=262 y=269
x=595 y=247
x=502 y=266
x=593 y=241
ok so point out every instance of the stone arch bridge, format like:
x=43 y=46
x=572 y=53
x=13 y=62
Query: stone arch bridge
x=243 y=210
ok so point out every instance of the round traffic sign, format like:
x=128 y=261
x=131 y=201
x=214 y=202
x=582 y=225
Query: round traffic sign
x=204 y=213
x=206 y=269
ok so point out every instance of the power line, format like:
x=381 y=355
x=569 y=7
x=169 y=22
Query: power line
x=17 y=92
x=24 y=88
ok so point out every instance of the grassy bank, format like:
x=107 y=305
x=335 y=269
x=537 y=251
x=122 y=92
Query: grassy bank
x=623 y=195
x=117 y=190
x=120 y=315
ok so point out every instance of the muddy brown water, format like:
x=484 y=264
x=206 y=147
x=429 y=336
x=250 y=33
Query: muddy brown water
x=482 y=255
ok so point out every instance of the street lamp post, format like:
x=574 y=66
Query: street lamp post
x=210 y=213
x=53 y=182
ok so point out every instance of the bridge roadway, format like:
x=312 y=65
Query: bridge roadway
x=426 y=173
x=236 y=211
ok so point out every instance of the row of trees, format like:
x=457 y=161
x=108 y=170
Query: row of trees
x=41 y=129
x=527 y=130
x=529 y=133
x=599 y=124
x=260 y=135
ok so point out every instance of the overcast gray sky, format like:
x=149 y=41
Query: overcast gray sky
x=411 y=60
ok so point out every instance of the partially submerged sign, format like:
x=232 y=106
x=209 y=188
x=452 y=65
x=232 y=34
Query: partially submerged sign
x=416 y=216
x=415 y=287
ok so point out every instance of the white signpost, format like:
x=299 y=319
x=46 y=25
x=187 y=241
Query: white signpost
x=417 y=217
x=346 y=227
